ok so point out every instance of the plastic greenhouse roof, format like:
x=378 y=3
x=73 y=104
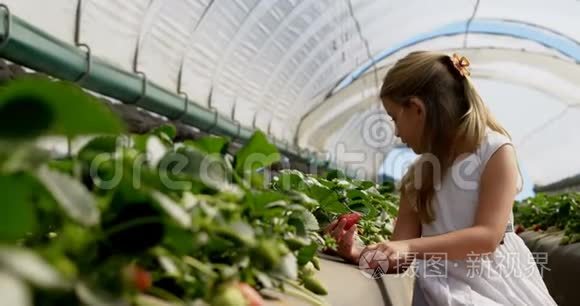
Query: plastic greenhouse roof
x=308 y=71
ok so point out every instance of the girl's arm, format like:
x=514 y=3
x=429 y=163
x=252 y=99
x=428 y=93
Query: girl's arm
x=408 y=225
x=497 y=191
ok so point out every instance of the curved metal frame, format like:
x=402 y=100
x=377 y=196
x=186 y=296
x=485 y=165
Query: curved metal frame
x=213 y=110
x=89 y=63
x=79 y=44
x=143 y=88
x=236 y=122
x=185 y=106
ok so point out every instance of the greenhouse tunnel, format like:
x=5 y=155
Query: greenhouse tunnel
x=308 y=73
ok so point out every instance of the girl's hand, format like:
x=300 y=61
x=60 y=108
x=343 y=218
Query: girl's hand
x=349 y=247
x=396 y=254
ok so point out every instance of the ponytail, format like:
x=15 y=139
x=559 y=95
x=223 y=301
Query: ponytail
x=477 y=118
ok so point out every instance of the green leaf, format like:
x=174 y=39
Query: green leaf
x=296 y=242
x=354 y=194
x=169 y=265
x=296 y=207
x=364 y=185
x=32 y=268
x=166 y=132
x=328 y=199
x=257 y=180
x=31 y=107
x=335 y=207
x=151 y=148
x=23 y=157
x=172 y=209
x=335 y=174
x=288 y=266
x=304 y=200
x=258 y=152
x=266 y=254
x=140 y=142
x=259 y=200
x=306 y=254
x=263 y=278
x=178 y=240
x=73 y=197
x=292 y=180
x=66 y=165
x=93 y=296
x=239 y=232
x=24 y=116
x=342 y=184
x=17 y=212
x=232 y=193
x=226 y=271
x=298 y=224
x=322 y=194
x=98 y=145
x=387 y=187
x=211 y=170
x=244 y=230
x=210 y=144
x=361 y=207
x=309 y=220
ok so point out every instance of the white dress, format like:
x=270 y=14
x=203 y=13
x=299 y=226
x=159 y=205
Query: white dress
x=508 y=276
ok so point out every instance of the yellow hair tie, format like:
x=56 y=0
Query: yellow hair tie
x=461 y=63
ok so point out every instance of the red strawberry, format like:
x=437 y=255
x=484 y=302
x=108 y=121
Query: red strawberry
x=519 y=229
x=351 y=219
x=537 y=227
x=137 y=277
x=142 y=279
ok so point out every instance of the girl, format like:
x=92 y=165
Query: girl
x=455 y=215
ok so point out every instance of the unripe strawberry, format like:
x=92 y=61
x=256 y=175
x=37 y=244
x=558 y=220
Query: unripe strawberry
x=314 y=285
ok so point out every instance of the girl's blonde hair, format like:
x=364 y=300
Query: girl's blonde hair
x=456 y=119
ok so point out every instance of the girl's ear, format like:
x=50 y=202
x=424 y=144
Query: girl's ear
x=417 y=105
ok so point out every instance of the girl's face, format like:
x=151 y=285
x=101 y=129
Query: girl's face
x=409 y=121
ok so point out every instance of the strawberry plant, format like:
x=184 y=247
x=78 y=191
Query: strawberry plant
x=545 y=212
x=116 y=221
